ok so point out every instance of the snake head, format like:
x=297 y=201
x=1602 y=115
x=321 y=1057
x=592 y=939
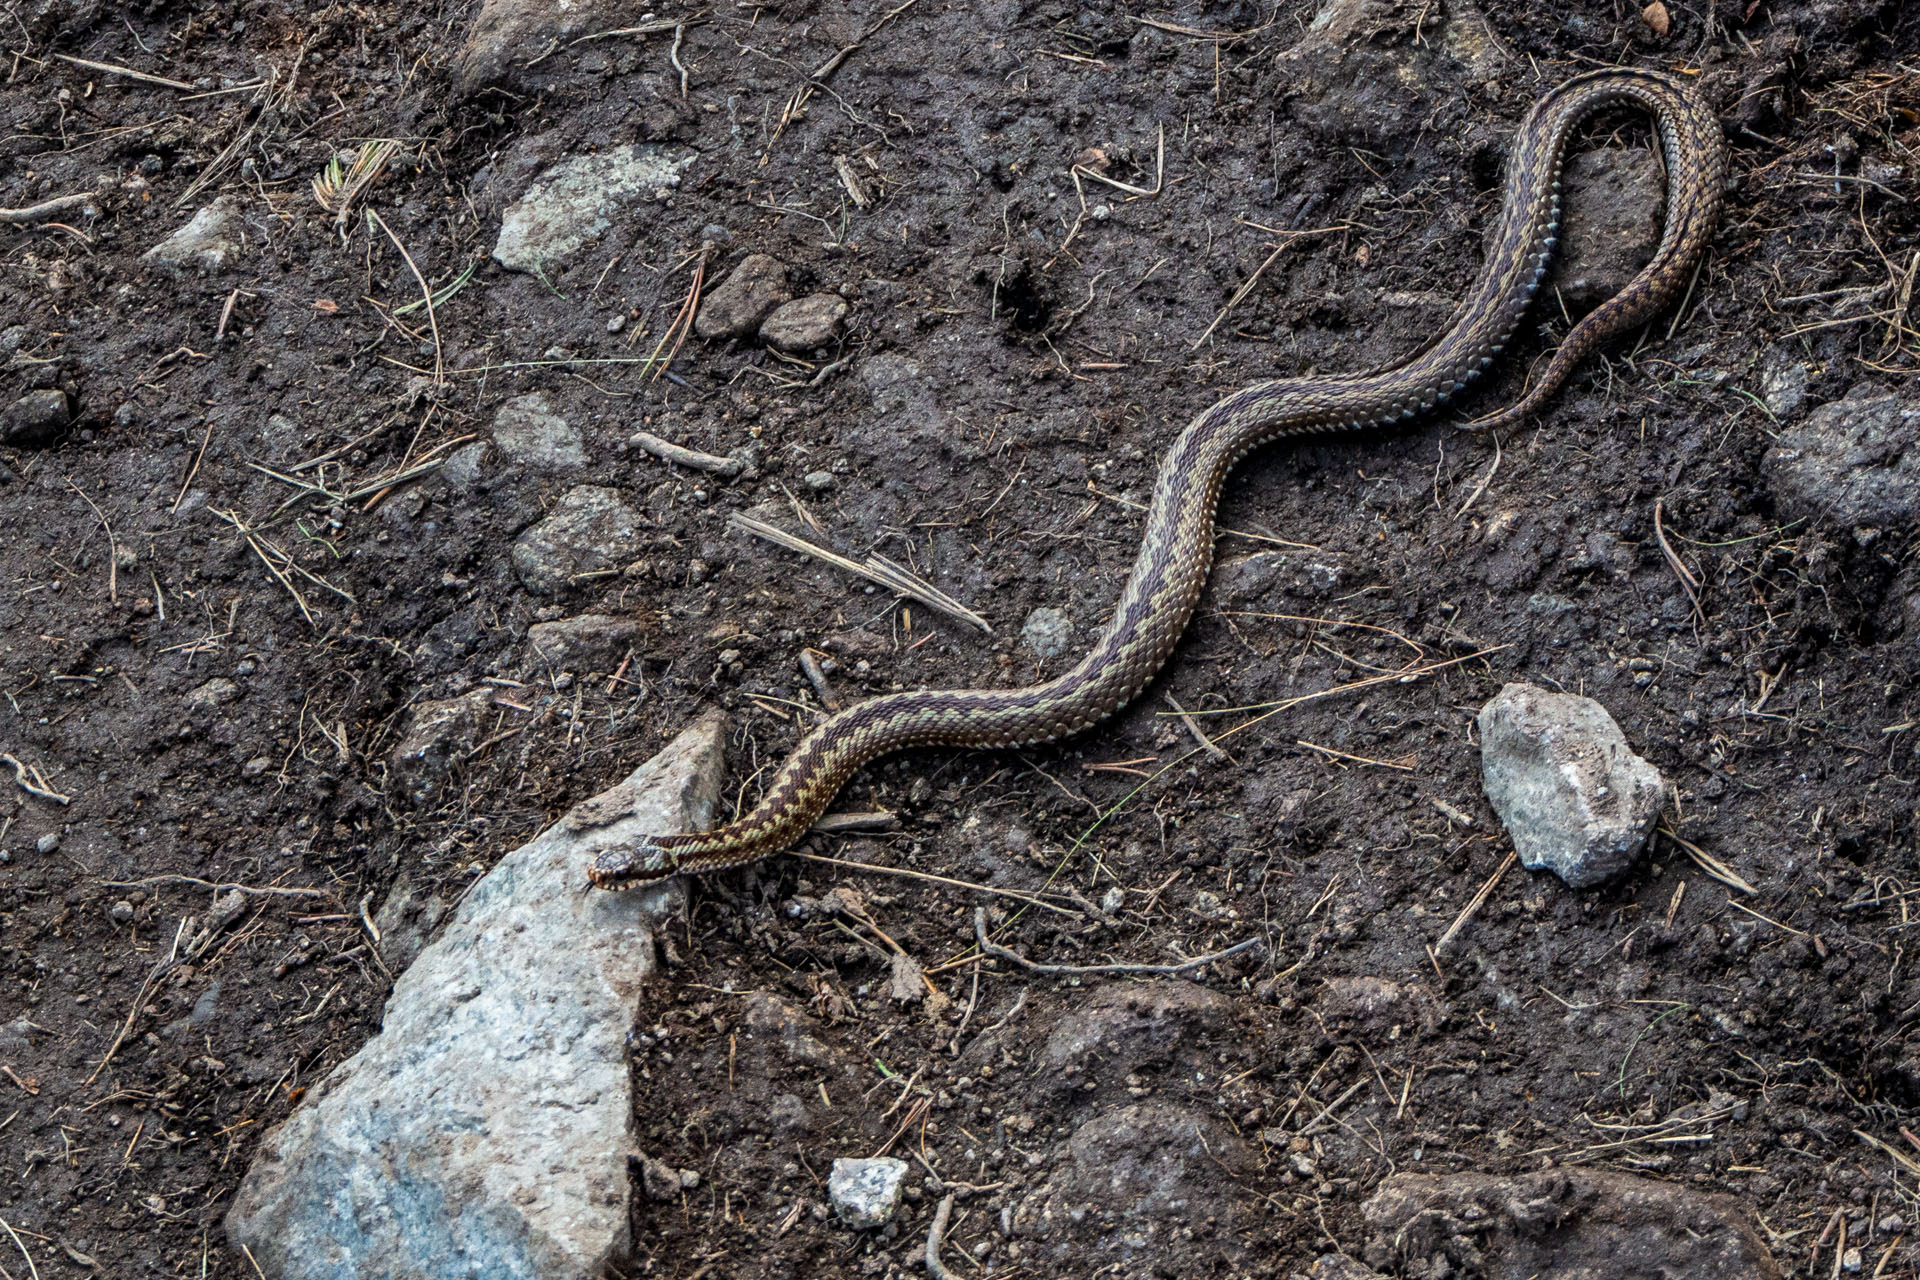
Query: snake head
x=640 y=863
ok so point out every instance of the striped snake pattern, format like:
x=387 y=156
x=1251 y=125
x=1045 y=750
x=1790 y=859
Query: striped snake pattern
x=1176 y=549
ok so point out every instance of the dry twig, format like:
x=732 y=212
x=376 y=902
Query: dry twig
x=45 y=209
x=32 y=781
x=877 y=568
x=680 y=456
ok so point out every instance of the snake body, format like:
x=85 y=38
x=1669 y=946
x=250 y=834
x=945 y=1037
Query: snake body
x=1176 y=550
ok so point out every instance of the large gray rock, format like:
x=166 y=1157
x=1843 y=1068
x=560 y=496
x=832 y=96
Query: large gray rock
x=577 y=200
x=526 y=430
x=36 y=418
x=485 y=1132
x=805 y=323
x=590 y=531
x=1568 y=1224
x=496 y=52
x=1852 y=462
x=1575 y=798
x=1609 y=223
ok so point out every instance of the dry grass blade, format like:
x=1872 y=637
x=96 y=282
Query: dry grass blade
x=338 y=185
x=877 y=569
x=1474 y=904
x=1688 y=582
x=1715 y=868
x=1287 y=241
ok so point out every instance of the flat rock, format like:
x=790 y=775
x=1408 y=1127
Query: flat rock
x=526 y=430
x=576 y=201
x=865 y=1193
x=589 y=531
x=589 y=642
x=1609 y=223
x=1853 y=462
x=1368 y=69
x=805 y=323
x=210 y=241
x=736 y=306
x=437 y=734
x=1256 y=581
x=1575 y=798
x=486 y=1130
x=36 y=418
x=1568 y=1224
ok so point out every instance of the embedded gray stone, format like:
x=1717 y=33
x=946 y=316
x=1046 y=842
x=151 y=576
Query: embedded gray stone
x=486 y=1131
x=526 y=430
x=590 y=531
x=1572 y=1224
x=1784 y=386
x=210 y=241
x=214 y=693
x=36 y=418
x=1852 y=462
x=1575 y=798
x=591 y=641
x=735 y=307
x=805 y=323
x=1610 y=225
x=1046 y=633
x=437 y=737
x=866 y=1192
x=576 y=201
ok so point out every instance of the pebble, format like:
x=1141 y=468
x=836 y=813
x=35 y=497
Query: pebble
x=36 y=418
x=526 y=430
x=805 y=323
x=865 y=1193
x=48 y=842
x=120 y=912
x=819 y=481
x=1575 y=798
x=1784 y=387
x=1046 y=633
x=736 y=306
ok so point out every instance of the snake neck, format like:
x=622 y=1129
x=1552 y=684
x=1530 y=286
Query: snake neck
x=1176 y=549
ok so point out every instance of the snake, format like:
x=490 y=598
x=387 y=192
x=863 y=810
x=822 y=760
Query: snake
x=1176 y=546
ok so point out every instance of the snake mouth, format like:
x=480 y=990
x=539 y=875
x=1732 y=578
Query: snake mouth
x=643 y=863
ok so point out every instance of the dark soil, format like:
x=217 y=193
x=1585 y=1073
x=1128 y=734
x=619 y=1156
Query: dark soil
x=1007 y=393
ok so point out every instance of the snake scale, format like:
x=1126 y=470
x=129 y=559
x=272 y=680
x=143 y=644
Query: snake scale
x=1176 y=549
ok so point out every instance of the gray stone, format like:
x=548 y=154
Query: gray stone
x=486 y=1130
x=1569 y=1224
x=495 y=53
x=120 y=912
x=526 y=430
x=461 y=471
x=36 y=418
x=805 y=323
x=866 y=1192
x=819 y=481
x=210 y=241
x=736 y=306
x=591 y=530
x=1852 y=462
x=48 y=843
x=1783 y=385
x=1046 y=633
x=437 y=737
x=577 y=200
x=1575 y=798
x=591 y=641
x=214 y=693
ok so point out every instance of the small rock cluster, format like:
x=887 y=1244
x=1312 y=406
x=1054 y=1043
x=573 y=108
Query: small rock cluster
x=754 y=299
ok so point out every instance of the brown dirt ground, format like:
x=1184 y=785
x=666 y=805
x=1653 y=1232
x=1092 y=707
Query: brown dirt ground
x=1002 y=384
